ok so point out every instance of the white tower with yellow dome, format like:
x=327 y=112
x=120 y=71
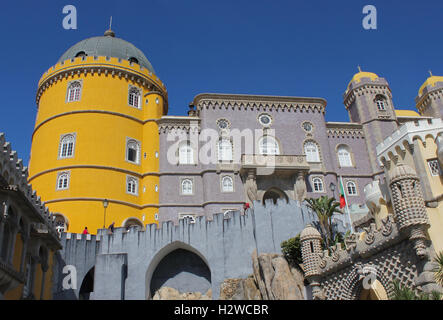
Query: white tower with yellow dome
x=96 y=137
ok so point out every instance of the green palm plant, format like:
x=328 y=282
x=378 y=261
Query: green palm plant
x=439 y=270
x=404 y=293
x=324 y=208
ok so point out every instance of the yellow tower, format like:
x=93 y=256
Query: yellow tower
x=96 y=136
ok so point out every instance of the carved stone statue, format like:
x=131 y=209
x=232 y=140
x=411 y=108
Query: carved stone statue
x=300 y=187
x=251 y=187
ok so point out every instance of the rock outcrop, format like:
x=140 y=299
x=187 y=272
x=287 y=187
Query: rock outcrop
x=273 y=279
x=240 y=289
x=167 y=293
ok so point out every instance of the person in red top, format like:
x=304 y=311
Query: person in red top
x=85 y=231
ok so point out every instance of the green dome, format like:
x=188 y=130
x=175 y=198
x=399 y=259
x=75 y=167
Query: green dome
x=108 y=46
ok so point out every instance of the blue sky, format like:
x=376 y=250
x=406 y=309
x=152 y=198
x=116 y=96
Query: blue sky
x=294 y=48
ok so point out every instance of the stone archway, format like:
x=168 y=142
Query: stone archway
x=274 y=194
x=180 y=271
x=375 y=292
x=87 y=286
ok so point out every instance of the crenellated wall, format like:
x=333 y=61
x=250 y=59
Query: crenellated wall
x=224 y=244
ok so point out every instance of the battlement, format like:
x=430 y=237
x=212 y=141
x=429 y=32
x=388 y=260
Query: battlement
x=408 y=132
x=100 y=65
x=372 y=241
x=16 y=175
x=364 y=81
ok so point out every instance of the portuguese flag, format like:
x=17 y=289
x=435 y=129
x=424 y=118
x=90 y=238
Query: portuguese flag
x=342 y=195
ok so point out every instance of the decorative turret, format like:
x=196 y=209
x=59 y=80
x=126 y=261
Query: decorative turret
x=368 y=100
x=310 y=240
x=409 y=207
x=429 y=98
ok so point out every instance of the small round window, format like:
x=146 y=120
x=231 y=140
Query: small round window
x=307 y=126
x=223 y=123
x=265 y=119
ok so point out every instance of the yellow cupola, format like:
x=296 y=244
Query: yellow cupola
x=360 y=75
x=431 y=81
x=95 y=146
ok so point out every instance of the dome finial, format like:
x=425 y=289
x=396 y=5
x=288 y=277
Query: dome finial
x=109 y=32
x=359 y=69
x=430 y=72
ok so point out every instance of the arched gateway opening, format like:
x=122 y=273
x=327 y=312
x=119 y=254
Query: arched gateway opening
x=274 y=194
x=87 y=286
x=180 y=267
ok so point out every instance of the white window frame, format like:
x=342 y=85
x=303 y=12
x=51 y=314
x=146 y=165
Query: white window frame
x=182 y=181
x=264 y=148
x=185 y=153
x=222 y=185
x=311 y=156
x=61 y=174
x=63 y=137
x=134 y=93
x=138 y=150
x=224 y=150
x=134 y=189
x=181 y=216
x=354 y=186
x=344 y=157
x=321 y=184
x=75 y=86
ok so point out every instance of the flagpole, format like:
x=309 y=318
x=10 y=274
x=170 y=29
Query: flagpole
x=346 y=201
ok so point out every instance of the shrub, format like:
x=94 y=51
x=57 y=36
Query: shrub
x=291 y=249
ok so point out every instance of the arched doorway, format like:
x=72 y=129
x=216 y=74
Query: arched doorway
x=180 y=267
x=375 y=292
x=87 y=285
x=274 y=194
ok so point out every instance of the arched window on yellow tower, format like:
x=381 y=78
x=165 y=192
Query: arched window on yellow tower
x=133 y=151
x=63 y=180
x=67 y=144
x=132 y=185
x=134 y=97
x=74 y=91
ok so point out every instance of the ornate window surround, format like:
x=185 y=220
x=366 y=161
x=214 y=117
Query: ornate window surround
x=68 y=180
x=319 y=153
x=351 y=155
x=220 y=140
x=134 y=180
x=138 y=91
x=271 y=119
x=222 y=178
x=60 y=148
x=355 y=186
x=310 y=123
x=322 y=183
x=68 y=90
x=186 y=144
x=277 y=142
x=138 y=150
x=184 y=179
x=183 y=215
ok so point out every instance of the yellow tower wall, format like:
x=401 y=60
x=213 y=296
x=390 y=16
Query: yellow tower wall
x=102 y=121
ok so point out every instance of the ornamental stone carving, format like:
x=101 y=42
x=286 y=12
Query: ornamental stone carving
x=409 y=207
x=300 y=187
x=251 y=187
